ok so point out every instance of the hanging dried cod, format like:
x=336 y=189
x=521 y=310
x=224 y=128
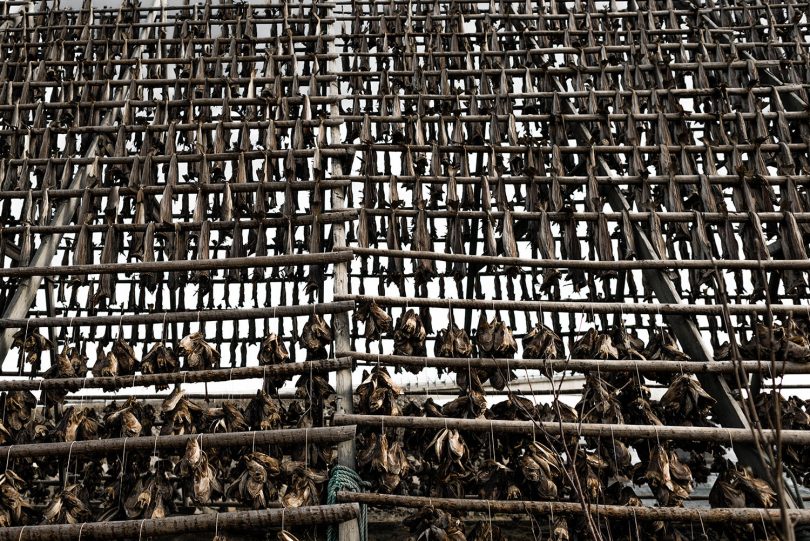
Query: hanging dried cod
x=378 y=393
x=257 y=481
x=495 y=340
x=32 y=344
x=200 y=355
x=68 y=364
x=386 y=462
x=315 y=337
x=273 y=352
x=377 y=320
x=542 y=343
x=160 y=360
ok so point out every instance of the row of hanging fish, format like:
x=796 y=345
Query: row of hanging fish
x=195 y=478
x=454 y=463
x=23 y=421
x=145 y=485
x=161 y=358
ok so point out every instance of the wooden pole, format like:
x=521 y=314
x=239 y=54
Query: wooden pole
x=666 y=308
x=595 y=430
x=350 y=530
x=180 y=265
x=180 y=317
x=235 y=521
x=143 y=380
x=579 y=365
x=674 y=514
x=659 y=264
x=216 y=225
x=294 y=436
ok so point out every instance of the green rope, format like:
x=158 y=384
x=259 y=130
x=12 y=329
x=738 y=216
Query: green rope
x=343 y=478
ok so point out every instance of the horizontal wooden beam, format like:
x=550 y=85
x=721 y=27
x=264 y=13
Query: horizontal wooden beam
x=583 y=306
x=673 y=514
x=234 y=521
x=295 y=436
x=595 y=430
x=578 y=365
x=143 y=380
x=182 y=317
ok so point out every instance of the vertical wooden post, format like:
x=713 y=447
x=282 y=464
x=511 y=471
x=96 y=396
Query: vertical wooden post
x=350 y=530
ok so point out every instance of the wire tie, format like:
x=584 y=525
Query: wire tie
x=702 y=526
x=8 y=455
x=80 y=530
x=67 y=467
x=489 y=512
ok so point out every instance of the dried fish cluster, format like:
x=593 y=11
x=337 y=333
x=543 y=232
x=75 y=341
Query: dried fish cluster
x=410 y=335
x=378 y=393
x=467 y=463
x=31 y=345
x=161 y=358
x=586 y=171
x=315 y=337
x=377 y=321
x=435 y=524
x=143 y=485
x=495 y=340
x=788 y=342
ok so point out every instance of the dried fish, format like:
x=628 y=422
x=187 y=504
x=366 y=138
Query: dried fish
x=409 y=338
x=377 y=394
x=386 y=463
x=495 y=340
x=542 y=343
x=31 y=344
x=68 y=364
x=432 y=523
x=315 y=337
x=69 y=506
x=14 y=506
x=197 y=475
x=541 y=472
x=263 y=413
x=686 y=403
x=377 y=320
x=453 y=342
x=273 y=352
x=304 y=484
x=160 y=360
x=200 y=355
x=669 y=479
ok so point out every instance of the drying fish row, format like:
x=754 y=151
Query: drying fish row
x=23 y=423
x=153 y=488
x=454 y=463
x=121 y=360
x=143 y=485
